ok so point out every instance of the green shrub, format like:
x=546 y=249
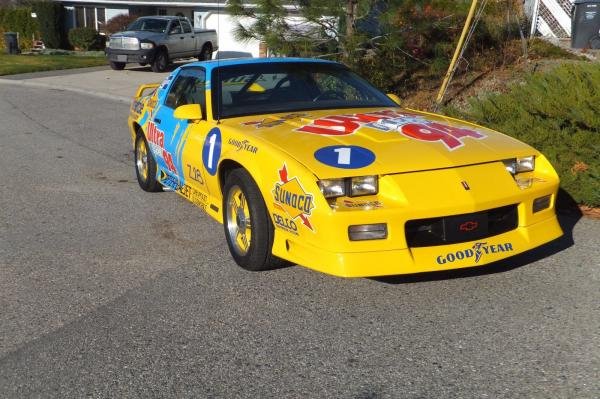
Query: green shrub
x=50 y=17
x=18 y=19
x=84 y=38
x=557 y=112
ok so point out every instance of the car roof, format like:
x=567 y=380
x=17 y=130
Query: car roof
x=212 y=64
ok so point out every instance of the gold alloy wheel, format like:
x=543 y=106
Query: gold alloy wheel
x=239 y=226
x=141 y=159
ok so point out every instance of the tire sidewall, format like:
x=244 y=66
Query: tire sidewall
x=258 y=255
x=149 y=184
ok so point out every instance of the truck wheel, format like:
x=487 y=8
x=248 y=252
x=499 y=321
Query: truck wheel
x=117 y=66
x=248 y=227
x=206 y=53
x=160 y=61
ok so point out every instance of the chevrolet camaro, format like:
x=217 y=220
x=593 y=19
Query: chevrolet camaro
x=304 y=162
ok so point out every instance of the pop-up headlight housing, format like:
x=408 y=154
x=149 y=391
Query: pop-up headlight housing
x=349 y=186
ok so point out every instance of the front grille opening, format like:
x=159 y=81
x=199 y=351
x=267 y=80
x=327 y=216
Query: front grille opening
x=461 y=228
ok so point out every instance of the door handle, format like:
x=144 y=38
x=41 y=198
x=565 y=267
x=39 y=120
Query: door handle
x=157 y=120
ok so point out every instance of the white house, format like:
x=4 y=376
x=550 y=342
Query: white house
x=208 y=14
x=550 y=17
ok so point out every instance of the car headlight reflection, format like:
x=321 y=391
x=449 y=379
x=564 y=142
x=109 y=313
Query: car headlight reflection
x=519 y=165
x=350 y=186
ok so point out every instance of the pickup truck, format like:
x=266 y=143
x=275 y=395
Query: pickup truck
x=157 y=40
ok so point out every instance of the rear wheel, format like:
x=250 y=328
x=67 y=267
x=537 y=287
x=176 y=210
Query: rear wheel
x=117 y=66
x=143 y=63
x=248 y=228
x=145 y=166
x=206 y=52
x=161 y=61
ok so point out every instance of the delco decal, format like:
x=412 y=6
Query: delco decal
x=290 y=196
x=410 y=125
x=285 y=224
x=243 y=145
x=156 y=138
x=478 y=250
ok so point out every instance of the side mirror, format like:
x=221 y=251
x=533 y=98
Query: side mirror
x=189 y=111
x=394 y=98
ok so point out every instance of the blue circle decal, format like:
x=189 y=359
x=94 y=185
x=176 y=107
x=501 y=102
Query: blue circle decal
x=345 y=157
x=211 y=152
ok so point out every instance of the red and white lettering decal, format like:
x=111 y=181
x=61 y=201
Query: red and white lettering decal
x=433 y=131
x=169 y=161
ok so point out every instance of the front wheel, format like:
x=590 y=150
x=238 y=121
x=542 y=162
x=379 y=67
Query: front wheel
x=145 y=166
x=248 y=228
x=161 y=61
x=117 y=66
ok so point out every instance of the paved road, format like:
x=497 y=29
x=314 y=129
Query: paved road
x=108 y=291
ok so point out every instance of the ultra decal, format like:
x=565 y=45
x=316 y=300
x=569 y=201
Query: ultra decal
x=290 y=197
x=477 y=251
x=410 y=125
x=156 y=138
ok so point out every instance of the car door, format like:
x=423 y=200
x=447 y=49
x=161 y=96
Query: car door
x=188 y=87
x=189 y=41
x=175 y=39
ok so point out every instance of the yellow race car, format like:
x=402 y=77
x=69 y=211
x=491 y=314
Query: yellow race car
x=305 y=162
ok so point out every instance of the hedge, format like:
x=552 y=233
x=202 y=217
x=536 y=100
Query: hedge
x=50 y=17
x=18 y=20
x=557 y=112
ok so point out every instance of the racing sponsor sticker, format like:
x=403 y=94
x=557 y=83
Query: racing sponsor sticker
x=477 y=251
x=156 y=139
x=345 y=157
x=409 y=125
x=211 y=151
x=290 y=197
x=244 y=145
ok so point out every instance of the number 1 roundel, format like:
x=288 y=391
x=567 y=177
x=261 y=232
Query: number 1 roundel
x=345 y=157
x=211 y=151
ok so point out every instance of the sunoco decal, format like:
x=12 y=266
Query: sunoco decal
x=290 y=196
x=410 y=125
x=477 y=251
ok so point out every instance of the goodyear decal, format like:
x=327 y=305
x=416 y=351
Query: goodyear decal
x=290 y=196
x=410 y=125
x=479 y=250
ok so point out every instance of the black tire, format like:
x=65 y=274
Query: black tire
x=145 y=166
x=143 y=63
x=161 y=61
x=257 y=255
x=117 y=66
x=206 y=52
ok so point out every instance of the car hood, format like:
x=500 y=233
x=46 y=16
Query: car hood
x=140 y=34
x=341 y=143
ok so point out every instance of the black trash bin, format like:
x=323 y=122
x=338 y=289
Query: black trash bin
x=585 y=24
x=11 y=42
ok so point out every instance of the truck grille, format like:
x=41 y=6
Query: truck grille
x=461 y=228
x=124 y=43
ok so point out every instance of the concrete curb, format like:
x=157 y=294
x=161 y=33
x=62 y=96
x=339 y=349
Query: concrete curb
x=121 y=99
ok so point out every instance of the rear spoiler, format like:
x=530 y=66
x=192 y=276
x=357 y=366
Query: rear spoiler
x=140 y=91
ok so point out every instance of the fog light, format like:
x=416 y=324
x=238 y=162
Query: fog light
x=362 y=232
x=539 y=204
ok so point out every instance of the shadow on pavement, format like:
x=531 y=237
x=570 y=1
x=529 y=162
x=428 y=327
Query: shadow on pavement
x=568 y=215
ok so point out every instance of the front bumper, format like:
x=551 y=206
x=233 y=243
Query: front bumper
x=422 y=195
x=131 y=56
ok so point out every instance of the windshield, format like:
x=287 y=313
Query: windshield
x=265 y=88
x=149 y=24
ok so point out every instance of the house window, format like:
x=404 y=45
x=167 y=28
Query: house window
x=101 y=19
x=79 y=17
x=162 y=11
x=90 y=17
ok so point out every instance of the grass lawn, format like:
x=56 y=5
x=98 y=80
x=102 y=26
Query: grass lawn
x=14 y=64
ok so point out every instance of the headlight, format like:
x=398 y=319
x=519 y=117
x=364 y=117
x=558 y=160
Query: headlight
x=519 y=165
x=364 y=185
x=350 y=186
x=332 y=188
x=146 y=45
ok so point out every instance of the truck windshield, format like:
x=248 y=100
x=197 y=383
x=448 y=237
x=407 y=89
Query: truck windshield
x=265 y=88
x=149 y=24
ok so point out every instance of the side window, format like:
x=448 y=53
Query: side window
x=175 y=28
x=187 y=28
x=188 y=88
